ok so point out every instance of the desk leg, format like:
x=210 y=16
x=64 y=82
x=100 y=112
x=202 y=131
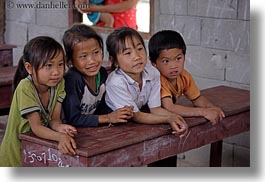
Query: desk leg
x=216 y=154
x=4 y=111
x=168 y=162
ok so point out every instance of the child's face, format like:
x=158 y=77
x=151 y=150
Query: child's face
x=170 y=63
x=87 y=57
x=50 y=74
x=133 y=59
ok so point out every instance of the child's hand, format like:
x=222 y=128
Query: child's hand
x=178 y=124
x=67 y=129
x=67 y=144
x=214 y=114
x=121 y=115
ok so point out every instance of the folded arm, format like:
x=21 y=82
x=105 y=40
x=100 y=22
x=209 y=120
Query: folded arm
x=111 y=8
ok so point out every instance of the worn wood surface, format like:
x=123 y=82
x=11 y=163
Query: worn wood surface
x=6 y=79
x=135 y=144
x=6 y=55
x=7 y=75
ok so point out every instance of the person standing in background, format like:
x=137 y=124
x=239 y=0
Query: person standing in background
x=123 y=11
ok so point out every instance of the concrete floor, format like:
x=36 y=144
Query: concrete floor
x=232 y=156
x=236 y=152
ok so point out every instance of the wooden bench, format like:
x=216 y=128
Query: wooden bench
x=6 y=84
x=7 y=72
x=135 y=144
x=6 y=55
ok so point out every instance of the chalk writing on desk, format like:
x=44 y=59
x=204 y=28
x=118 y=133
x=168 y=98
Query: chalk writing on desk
x=47 y=156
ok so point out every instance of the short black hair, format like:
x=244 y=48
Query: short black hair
x=79 y=32
x=116 y=42
x=162 y=40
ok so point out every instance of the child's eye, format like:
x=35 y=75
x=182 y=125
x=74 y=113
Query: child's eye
x=48 y=65
x=140 y=48
x=82 y=56
x=165 y=61
x=178 y=58
x=61 y=64
x=127 y=53
x=96 y=53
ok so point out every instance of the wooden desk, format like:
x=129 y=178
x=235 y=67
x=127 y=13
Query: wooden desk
x=6 y=55
x=134 y=144
x=6 y=81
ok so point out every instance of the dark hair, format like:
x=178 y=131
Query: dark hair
x=162 y=40
x=78 y=33
x=37 y=52
x=116 y=42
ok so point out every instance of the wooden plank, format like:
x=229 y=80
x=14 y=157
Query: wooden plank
x=7 y=75
x=6 y=55
x=38 y=155
x=149 y=151
x=231 y=100
x=93 y=141
x=135 y=144
x=216 y=154
x=6 y=87
x=5 y=96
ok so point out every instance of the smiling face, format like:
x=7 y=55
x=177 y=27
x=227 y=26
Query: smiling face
x=132 y=59
x=87 y=57
x=170 y=63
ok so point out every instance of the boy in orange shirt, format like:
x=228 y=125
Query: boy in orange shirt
x=167 y=51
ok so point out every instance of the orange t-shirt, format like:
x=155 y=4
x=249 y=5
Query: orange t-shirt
x=185 y=85
x=122 y=19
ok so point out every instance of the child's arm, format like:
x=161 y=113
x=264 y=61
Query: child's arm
x=121 y=115
x=204 y=109
x=111 y=8
x=56 y=122
x=159 y=115
x=201 y=101
x=108 y=19
x=66 y=143
x=212 y=113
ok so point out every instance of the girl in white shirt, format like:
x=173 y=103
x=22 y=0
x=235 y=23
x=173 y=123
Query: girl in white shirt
x=136 y=82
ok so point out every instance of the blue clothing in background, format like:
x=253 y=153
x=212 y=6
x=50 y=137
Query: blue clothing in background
x=94 y=16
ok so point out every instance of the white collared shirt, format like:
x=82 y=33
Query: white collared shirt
x=122 y=90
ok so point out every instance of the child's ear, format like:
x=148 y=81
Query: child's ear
x=154 y=64
x=113 y=63
x=111 y=59
x=69 y=63
x=28 y=67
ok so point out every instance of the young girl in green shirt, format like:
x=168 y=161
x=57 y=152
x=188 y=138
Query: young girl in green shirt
x=36 y=104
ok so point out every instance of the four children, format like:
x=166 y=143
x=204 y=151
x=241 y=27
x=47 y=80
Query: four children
x=91 y=97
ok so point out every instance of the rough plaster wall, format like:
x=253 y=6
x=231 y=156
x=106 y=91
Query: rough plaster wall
x=2 y=22
x=217 y=37
x=22 y=24
x=216 y=33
